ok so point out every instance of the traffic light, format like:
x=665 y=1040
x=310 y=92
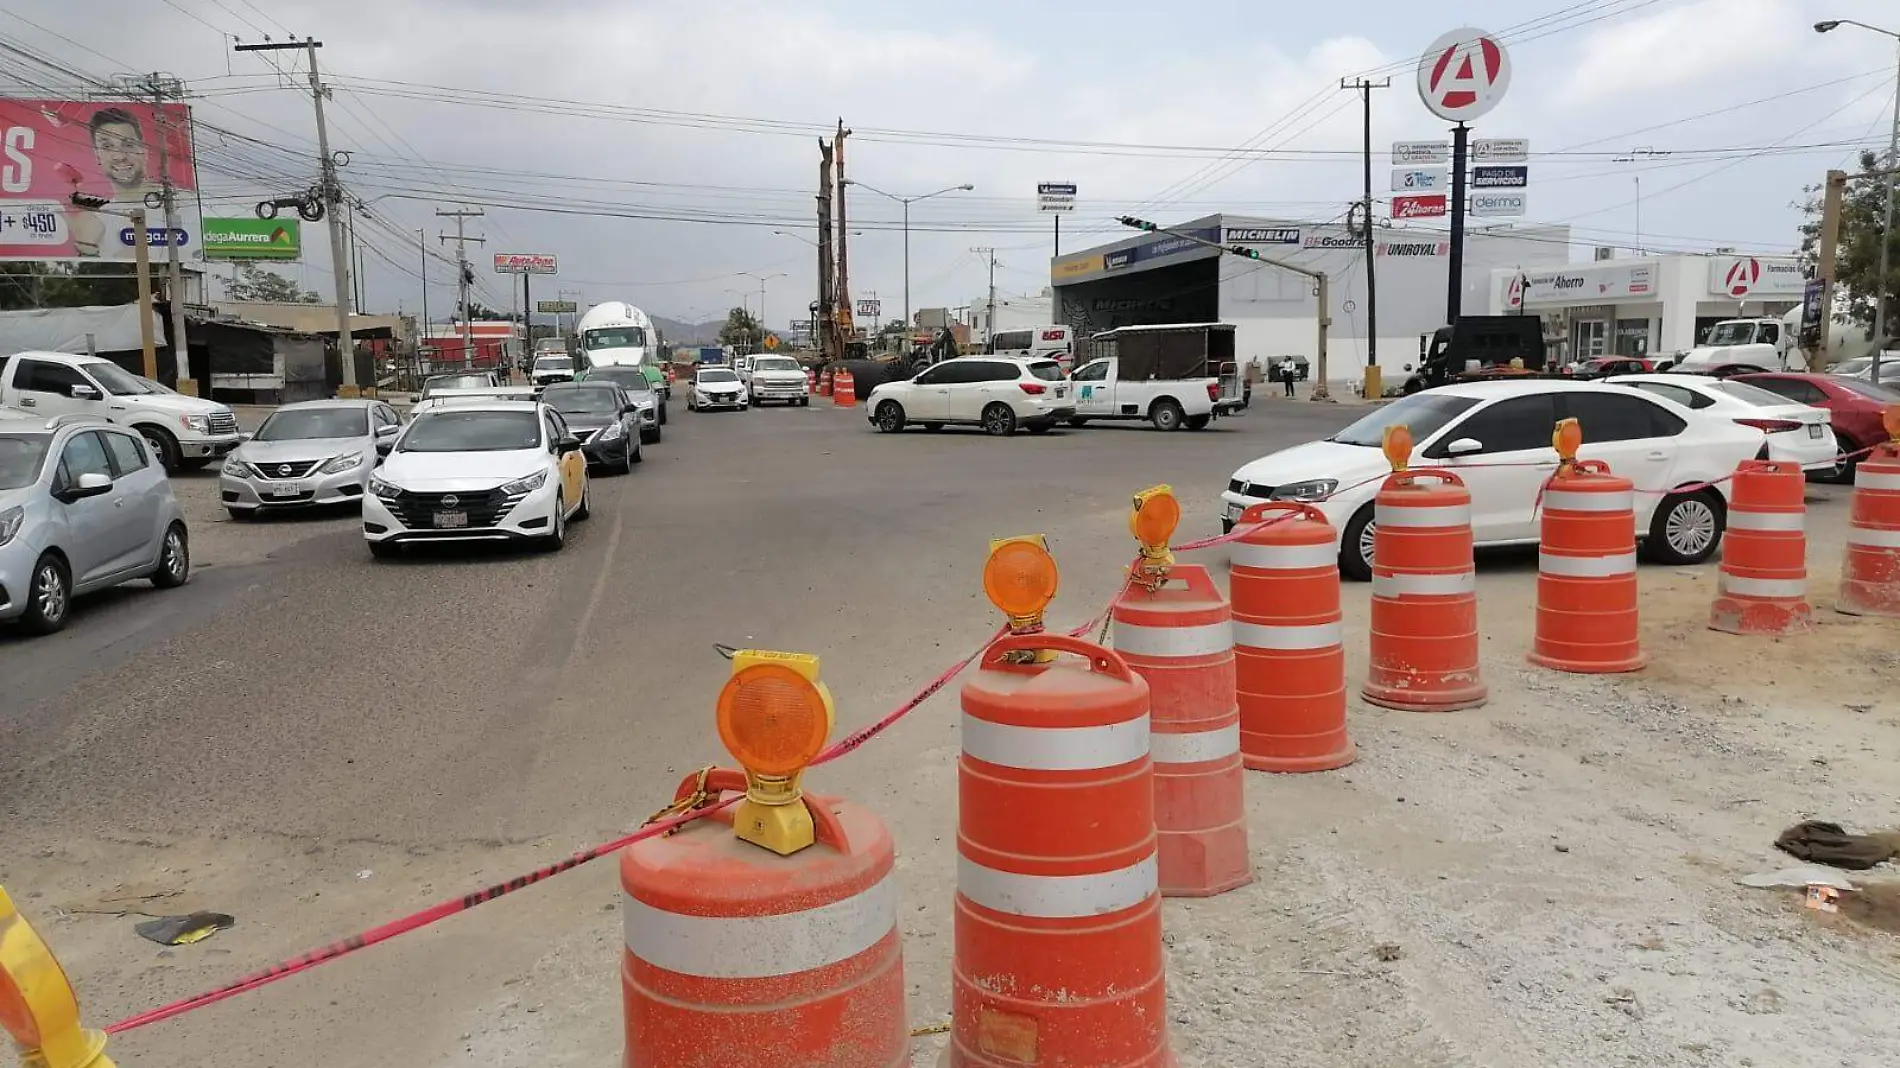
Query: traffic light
x=1139 y=224
x=1244 y=251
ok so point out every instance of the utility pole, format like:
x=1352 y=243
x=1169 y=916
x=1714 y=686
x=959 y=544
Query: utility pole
x=830 y=344
x=163 y=88
x=844 y=230
x=422 y=244
x=989 y=325
x=1374 y=386
x=463 y=273
x=142 y=258
x=332 y=190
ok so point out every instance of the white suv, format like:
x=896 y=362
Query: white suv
x=995 y=393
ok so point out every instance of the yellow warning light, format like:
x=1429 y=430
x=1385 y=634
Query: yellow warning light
x=1567 y=438
x=1397 y=446
x=774 y=716
x=1890 y=418
x=37 y=1005
x=1020 y=579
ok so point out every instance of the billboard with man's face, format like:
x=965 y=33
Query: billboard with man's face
x=51 y=149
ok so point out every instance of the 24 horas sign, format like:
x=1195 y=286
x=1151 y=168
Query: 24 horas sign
x=252 y=239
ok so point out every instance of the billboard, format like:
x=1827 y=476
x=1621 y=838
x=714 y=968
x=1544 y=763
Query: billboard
x=556 y=307
x=1419 y=206
x=252 y=238
x=51 y=149
x=525 y=263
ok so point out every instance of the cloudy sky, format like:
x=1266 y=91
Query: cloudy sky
x=656 y=147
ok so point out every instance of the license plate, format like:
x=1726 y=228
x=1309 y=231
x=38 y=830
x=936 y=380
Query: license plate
x=446 y=520
x=285 y=489
x=1061 y=392
x=1815 y=431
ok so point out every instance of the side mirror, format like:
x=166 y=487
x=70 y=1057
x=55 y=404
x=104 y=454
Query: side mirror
x=1408 y=367
x=81 y=391
x=1464 y=446
x=387 y=433
x=91 y=484
x=629 y=409
x=570 y=443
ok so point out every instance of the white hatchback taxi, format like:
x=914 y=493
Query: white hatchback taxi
x=1496 y=437
x=500 y=471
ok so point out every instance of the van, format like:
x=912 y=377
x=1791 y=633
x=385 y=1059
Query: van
x=1051 y=342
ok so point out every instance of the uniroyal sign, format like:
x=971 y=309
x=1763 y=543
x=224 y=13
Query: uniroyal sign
x=1419 y=206
x=525 y=263
x=1413 y=249
x=1742 y=277
x=1463 y=75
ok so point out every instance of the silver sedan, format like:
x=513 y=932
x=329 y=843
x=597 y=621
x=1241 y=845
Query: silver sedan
x=307 y=455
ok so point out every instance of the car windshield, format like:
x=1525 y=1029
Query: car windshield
x=464 y=431
x=120 y=382
x=717 y=376
x=554 y=363
x=775 y=363
x=1870 y=390
x=1047 y=370
x=582 y=401
x=436 y=385
x=1732 y=334
x=1425 y=413
x=1754 y=395
x=20 y=456
x=627 y=378
x=300 y=424
x=618 y=337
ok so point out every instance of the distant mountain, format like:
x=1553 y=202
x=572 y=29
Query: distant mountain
x=679 y=333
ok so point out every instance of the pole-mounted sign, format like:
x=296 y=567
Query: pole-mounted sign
x=1463 y=75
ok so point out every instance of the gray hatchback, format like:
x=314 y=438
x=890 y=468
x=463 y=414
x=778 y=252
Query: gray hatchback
x=83 y=506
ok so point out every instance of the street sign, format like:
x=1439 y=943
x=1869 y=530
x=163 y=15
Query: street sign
x=870 y=308
x=1417 y=152
x=771 y=342
x=1418 y=181
x=556 y=307
x=525 y=263
x=801 y=326
x=1500 y=150
x=1500 y=177
x=1498 y=204
x=1463 y=75
x=1419 y=206
x=1055 y=196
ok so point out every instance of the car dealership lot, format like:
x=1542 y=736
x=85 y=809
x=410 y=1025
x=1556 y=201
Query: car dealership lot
x=298 y=716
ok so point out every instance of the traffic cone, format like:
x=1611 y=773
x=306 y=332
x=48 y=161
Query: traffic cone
x=1870 y=573
x=844 y=390
x=1763 y=586
x=1586 y=573
x=1291 y=660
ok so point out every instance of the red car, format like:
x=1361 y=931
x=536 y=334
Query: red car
x=1605 y=366
x=1853 y=407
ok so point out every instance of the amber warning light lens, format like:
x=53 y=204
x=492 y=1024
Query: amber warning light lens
x=1397 y=446
x=1020 y=578
x=1157 y=514
x=774 y=716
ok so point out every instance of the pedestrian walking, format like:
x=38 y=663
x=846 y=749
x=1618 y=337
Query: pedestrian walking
x=1287 y=372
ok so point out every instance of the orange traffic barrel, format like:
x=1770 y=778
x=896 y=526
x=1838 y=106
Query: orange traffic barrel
x=1870 y=574
x=1586 y=573
x=811 y=380
x=737 y=957
x=1289 y=655
x=844 y=390
x=1424 y=655
x=1179 y=636
x=824 y=383
x=1763 y=586
x=1058 y=957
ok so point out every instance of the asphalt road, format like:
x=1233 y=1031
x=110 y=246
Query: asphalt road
x=316 y=742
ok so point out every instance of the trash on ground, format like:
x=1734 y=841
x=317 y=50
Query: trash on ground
x=1798 y=878
x=1819 y=842
x=184 y=930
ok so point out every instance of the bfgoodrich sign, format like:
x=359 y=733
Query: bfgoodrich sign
x=252 y=239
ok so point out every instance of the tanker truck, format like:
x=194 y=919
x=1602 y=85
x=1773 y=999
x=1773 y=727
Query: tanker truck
x=1771 y=344
x=617 y=334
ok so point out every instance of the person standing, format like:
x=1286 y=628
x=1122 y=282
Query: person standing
x=1287 y=372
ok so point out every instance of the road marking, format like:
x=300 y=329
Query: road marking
x=596 y=595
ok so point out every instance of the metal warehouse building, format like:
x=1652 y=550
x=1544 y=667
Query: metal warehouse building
x=1164 y=278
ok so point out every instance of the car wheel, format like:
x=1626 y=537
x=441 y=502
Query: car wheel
x=890 y=417
x=1079 y=422
x=174 y=559
x=1686 y=529
x=49 y=596
x=1199 y=422
x=163 y=446
x=635 y=455
x=1167 y=415
x=587 y=501
x=1355 y=547
x=1042 y=428
x=383 y=550
x=662 y=413
x=1842 y=473
x=556 y=540
x=932 y=427
x=804 y=402
x=999 y=421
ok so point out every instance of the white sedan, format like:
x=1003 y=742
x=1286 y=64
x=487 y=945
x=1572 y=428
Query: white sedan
x=717 y=387
x=1795 y=433
x=1496 y=437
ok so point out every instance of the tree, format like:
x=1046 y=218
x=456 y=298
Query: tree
x=265 y=286
x=1857 y=257
x=37 y=284
x=740 y=328
x=478 y=310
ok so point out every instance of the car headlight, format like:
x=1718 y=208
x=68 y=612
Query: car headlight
x=200 y=423
x=235 y=468
x=386 y=490
x=1313 y=490
x=526 y=485
x=614 y=431
x=343 y=463
x=11 y=521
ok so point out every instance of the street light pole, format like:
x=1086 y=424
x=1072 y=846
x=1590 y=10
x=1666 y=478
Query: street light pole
x=907 y=202
x=1893 y=179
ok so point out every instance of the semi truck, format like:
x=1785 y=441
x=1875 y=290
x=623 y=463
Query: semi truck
x=617 y=334
x=1479 y=346
x=1772 y=345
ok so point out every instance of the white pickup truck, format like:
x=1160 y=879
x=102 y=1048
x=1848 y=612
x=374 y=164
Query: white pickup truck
x=1172 y=376
x=182 y=432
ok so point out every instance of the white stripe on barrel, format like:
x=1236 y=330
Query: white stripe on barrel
x=1742 y=586
x=1195 y=747
x=1202 y=640
x=1873 y=538
x=1777 y=522
x=1055 y=748
x=1057 y=897
x=1875 y=480
x=1586 y=566
x=1573 y=501
x=1443 y=515
x=758 y=947
x=1283 y=557
x=1448 y=584
x=1286 y=639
